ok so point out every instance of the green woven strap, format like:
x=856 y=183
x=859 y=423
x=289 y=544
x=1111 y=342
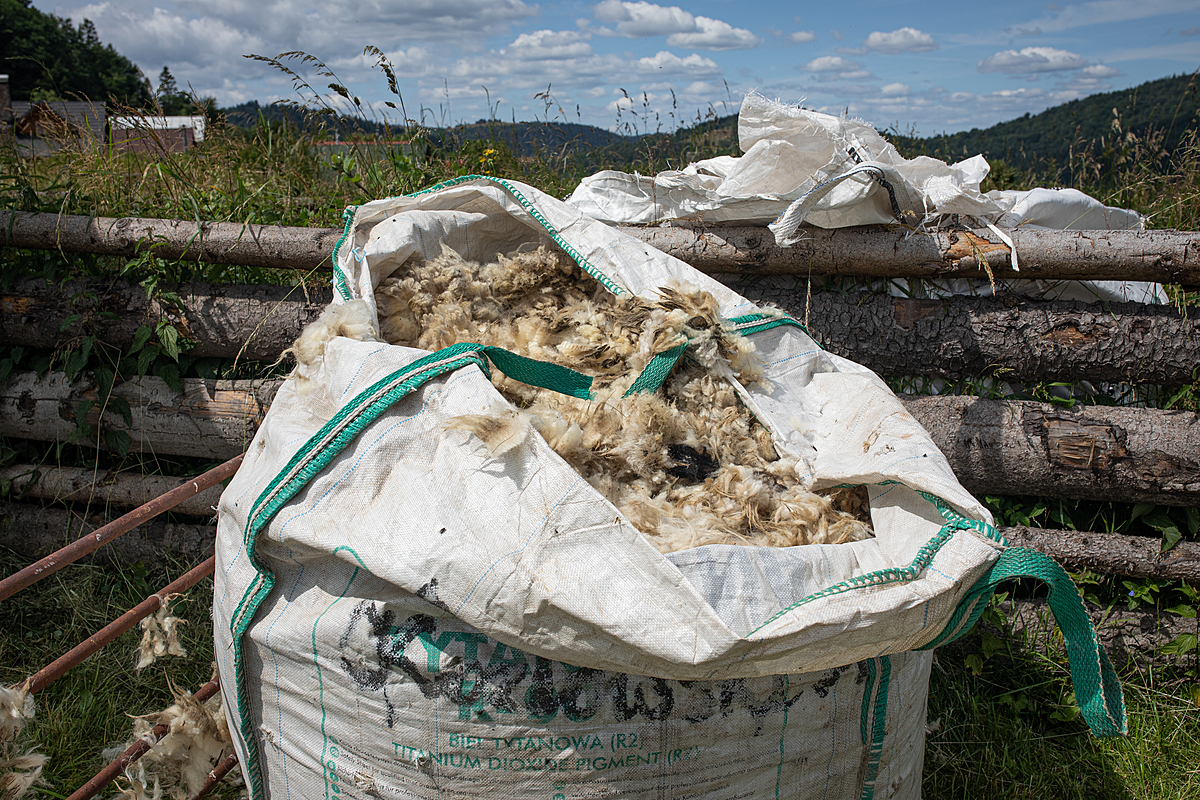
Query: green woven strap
x=657 y=371
x=542 y=374
x=1097 y=688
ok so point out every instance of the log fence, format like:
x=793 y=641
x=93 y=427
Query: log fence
x=995 y=446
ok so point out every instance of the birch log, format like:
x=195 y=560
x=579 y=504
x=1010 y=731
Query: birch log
x=1111 y=553
x=1126 y=455
x=35 y=532
x=958 y=337
x=210 y=419
x=1162 y=256
x=97 y=488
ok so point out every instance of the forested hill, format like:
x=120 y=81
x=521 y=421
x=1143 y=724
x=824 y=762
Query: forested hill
x=1168 y=106
x=48 y=58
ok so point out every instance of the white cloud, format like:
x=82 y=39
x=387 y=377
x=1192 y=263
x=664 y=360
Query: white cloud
x=644 y=19
x=836 y=68
x=713 y=34
x=830 y=64
x=904 y=40
x=548 y=45
x=1032 y=61
x=669 y=63
x=800 y=37
x=683 y=29
x=1099 y=71
x=894 y=90
x=1107 y=11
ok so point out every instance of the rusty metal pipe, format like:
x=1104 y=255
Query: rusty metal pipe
x=215 y=776
x=47 y=675
x=135 y=751
x=101 y=536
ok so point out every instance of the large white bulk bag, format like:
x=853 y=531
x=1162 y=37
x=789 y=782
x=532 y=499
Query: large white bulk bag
x=398 y=615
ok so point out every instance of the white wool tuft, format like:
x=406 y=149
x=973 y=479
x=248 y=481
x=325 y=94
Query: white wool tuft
x=179 y=764
x=500 y=430
x=16 y=708
x=160 y=635
x=19 y=775
x=688 y=465
x=352 y=320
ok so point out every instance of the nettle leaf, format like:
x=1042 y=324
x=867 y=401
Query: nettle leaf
x=168 y=340
x=1193 y=519
x=146 y=358
x=144 y=332
x=74 y=364
x=1170 y=538
x=81 y=412
x=1140 y=509
x=117 y=441
x=1180 y=645
x=105 y=378
x=119 y=405
x=170 y=376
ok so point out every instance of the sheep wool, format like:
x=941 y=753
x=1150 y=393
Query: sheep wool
x=20 y=774
x=178 y=765
x=16 y=708
x=160 y=636
x=688 y=465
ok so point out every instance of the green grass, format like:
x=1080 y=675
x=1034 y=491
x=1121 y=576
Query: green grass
x=86 y=710
x=1007 y=728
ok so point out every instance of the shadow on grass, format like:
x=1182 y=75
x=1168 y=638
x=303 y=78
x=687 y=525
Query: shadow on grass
x=1004 y=724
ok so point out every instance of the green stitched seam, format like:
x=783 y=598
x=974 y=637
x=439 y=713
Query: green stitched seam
x=868 y=689
x=586 y=265
x=749 y=324
x=879 y=729
x=924 y=557
x=880 y=577
x=322 y=448
x=339 y=277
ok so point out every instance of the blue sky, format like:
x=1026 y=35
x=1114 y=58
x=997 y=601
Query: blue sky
x=937 y=67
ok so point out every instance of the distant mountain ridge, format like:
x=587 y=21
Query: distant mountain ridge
x=1040 y=142
x=1044 y=141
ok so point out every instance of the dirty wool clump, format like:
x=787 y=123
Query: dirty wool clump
x=179 y=764
x=688 y=464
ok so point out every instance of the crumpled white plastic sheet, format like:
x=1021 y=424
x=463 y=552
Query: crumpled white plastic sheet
x=833 y=172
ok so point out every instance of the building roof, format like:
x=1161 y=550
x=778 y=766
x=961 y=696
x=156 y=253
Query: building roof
x=81 y=114
x=159 y=123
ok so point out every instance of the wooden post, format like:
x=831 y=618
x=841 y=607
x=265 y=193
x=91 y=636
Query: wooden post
x=1163 y=256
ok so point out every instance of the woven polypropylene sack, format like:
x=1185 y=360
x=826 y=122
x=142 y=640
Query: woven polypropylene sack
x=397 y=615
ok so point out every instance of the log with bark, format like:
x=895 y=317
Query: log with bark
x=210 y=419
x=255 y=322
x=101 y=489
x=895 y=251
x=1126 y=455
x=1012 y=337
x=1111 y=553
x=34 y=532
